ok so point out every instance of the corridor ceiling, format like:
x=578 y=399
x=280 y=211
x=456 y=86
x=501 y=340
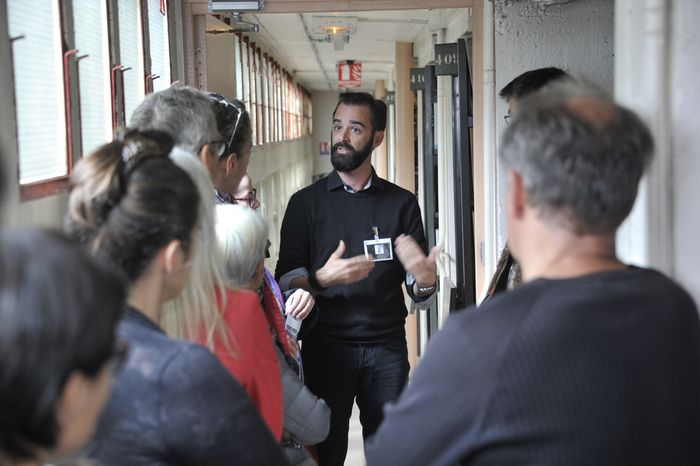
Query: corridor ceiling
x=291 y=39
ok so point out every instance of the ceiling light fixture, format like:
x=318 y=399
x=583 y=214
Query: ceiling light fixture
x=217 y=6
x=335 y=29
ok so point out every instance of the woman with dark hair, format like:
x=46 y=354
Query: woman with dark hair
x=59 y=309
x=233 y=122
x=173 y=403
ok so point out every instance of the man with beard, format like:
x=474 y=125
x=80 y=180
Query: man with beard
x=352 y=238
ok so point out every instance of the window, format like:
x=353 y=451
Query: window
x=259 y=118
x=238 y=70
x=279 y=108
x=265 y=78
x=40 y=96
x=252 y=92
x=71 y=82
x=91 y=40
x=159 y=44
x=131 y=54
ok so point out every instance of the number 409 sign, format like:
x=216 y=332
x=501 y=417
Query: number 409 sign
x=446 y=59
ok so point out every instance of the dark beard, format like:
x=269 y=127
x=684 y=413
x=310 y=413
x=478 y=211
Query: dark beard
x=351 y=161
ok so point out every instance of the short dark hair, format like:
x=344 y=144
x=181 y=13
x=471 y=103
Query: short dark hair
x=377 y=108
x=59 y=308
x=129 y=199
x=232 y=116
x=530 y=81
x=580 y=155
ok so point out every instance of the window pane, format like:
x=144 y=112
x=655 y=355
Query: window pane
x=246 y=81
x=258 y=98
x=160 y=45
x=39 y=93
x=131 y=54
x=252 y=109
x=95 y=103
x=238 y=67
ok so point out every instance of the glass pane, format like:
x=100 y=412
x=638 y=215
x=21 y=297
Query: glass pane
x=252 y=68
x=131 y=54
x=39 y=93
x=258 y=97
x=160 y=45
x=91 y=39
x=237 y=67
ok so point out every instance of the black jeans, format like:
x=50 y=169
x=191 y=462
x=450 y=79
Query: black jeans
x=375 y=373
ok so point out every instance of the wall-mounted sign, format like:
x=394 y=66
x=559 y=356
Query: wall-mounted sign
x=349 y=74
x=417 y=79
x=446 y=59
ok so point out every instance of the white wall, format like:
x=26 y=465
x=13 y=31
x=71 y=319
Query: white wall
x=278 y=170
x=221 y=72
x=684 y=104
x=575 y=36
x=323 y=105
x=657 y=65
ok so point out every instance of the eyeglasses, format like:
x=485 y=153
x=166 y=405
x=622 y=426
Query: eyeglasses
x=248 y=199
x=218 y=147
x=119 y=353
x=506 y=117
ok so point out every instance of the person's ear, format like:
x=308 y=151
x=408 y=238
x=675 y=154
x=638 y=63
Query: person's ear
x=72 y=399
x=172 y=256
x=515 y=196
x=378 y=138
x=204 y=155
x=231 y=161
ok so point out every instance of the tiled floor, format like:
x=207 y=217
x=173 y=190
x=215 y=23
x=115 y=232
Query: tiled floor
x=356 y=452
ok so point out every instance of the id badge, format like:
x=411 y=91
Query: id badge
x=379 y=249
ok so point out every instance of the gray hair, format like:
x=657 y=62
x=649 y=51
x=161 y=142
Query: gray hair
x=182 y=112
x=242 y=234
x=580 y=155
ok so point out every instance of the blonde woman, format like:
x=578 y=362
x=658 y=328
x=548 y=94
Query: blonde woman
x=229 y=321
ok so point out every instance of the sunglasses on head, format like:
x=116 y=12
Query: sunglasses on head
x=240 y=109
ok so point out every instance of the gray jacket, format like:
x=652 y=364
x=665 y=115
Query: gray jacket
x=306 y=417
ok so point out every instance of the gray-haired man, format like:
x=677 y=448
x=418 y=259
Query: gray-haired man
x=186 y=114
x=590 y=361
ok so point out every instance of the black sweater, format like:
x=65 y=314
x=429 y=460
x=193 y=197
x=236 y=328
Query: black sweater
x=602 y=369
x=320 y=215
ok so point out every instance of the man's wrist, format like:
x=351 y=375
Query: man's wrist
x=426 y=281
x=425 y=289
x=314 y=284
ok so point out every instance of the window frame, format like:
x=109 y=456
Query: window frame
x=71 y=79
x=60 y=184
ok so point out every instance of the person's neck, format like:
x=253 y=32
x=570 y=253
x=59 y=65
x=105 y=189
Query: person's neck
x=146 y=296
x=557 y=253
x=357 y=179
x=219 y=183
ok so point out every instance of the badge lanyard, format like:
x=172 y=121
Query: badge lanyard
x=378 y=249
